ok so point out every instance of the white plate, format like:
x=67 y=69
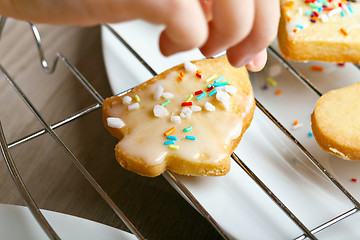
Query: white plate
x=235 y=201
x=16 y=222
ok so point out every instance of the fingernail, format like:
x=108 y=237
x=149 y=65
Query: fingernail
x=251 y=64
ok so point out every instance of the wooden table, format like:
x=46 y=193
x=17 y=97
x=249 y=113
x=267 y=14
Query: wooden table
x=153 y=206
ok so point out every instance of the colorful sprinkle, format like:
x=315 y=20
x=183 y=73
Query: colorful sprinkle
x=354 y=179
x=317 y=68
x=289 y=3
x=296 y=122
x=170 y=131
x=310 y=134
x=341 y=64
x=211 y=87
x=343 y=32
x=297 y=126
x=189 y=98
x=181 y=76
x=188 y=129
x=210 y=78
x=319 y=10
x=190 y=137
x=201 y=96
x=186 y=104
x=169 y=142
x=137 y=98
x=174 y=147
x=278 y=92
x=219 y=79
x=212 y=92
x=172 y=138
x=199 y=92
x=271 y=81
x=221 y=84
x=198 y=74
x=165 y=103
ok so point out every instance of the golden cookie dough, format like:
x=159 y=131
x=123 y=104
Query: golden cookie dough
x=336 y=122
x=330 y=38
x=217 y=122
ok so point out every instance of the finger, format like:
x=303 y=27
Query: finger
x=263 y=33
x=207 y=8
x=258 y=62
x=232 y=21
x=186 y=28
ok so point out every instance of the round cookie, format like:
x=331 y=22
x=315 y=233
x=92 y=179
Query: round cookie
x=335 y=122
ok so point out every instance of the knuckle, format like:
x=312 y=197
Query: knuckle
x=234 y=32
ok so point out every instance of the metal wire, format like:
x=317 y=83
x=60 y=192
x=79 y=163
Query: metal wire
x=168 y=175
x=22 y=188
x=50 y=130
x=171 y=177
x=272 y=196
x=330 y=222
x=76 y=162
x=308 y=154
x=291 y=69
x=2 y=24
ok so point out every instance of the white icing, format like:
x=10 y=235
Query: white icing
x=209 y=107
x=196 y=108
x=160 y=111
x=189 y=67
x=126 y=100
x=134 y=106
x=146 y=132
x=159 y=90
x=324 y=18
x=185 y=112
x=115 y=122
x=175 y=119
x=224 y=98
x=230 y=89
x=168 y=95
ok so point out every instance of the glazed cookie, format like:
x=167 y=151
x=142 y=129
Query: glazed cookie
x=320 y=30
x=336 y=122
x=188 y=119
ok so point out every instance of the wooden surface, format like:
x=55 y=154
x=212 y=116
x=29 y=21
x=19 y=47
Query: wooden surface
x=153 y=206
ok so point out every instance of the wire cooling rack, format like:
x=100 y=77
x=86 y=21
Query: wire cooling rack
x=49 y=129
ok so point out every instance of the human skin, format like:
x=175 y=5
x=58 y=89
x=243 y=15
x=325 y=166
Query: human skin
x=244 y=28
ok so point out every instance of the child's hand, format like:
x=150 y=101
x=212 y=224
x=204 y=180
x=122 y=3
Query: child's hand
x=243 y=27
